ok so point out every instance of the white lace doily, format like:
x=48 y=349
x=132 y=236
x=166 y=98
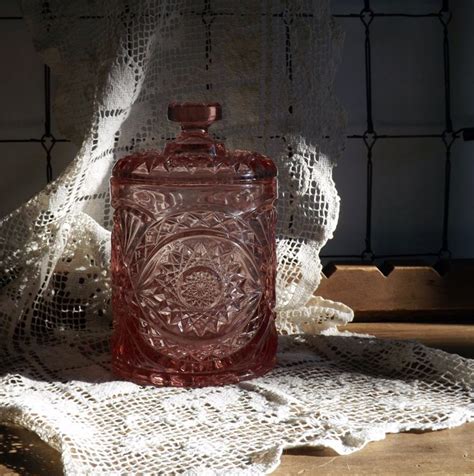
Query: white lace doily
x=332 y=391
x=272 y=66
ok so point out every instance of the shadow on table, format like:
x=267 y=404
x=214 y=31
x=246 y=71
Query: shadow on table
x=22 y=452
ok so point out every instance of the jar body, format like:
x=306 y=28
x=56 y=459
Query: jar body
x=193 y=270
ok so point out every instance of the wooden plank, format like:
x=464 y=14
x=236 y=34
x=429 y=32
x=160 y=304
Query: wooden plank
x=441 y=452
x=402 y=290
x=453 y=338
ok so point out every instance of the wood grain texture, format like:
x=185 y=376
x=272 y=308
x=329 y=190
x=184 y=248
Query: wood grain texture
x=403 y=290
x=453 y=338
x=441 y=452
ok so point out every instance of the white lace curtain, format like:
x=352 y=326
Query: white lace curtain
x=117 y=65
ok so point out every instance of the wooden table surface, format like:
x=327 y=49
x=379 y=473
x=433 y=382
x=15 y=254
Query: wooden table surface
x=440 y=452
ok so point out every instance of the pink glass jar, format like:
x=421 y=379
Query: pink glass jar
x=193 y=259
